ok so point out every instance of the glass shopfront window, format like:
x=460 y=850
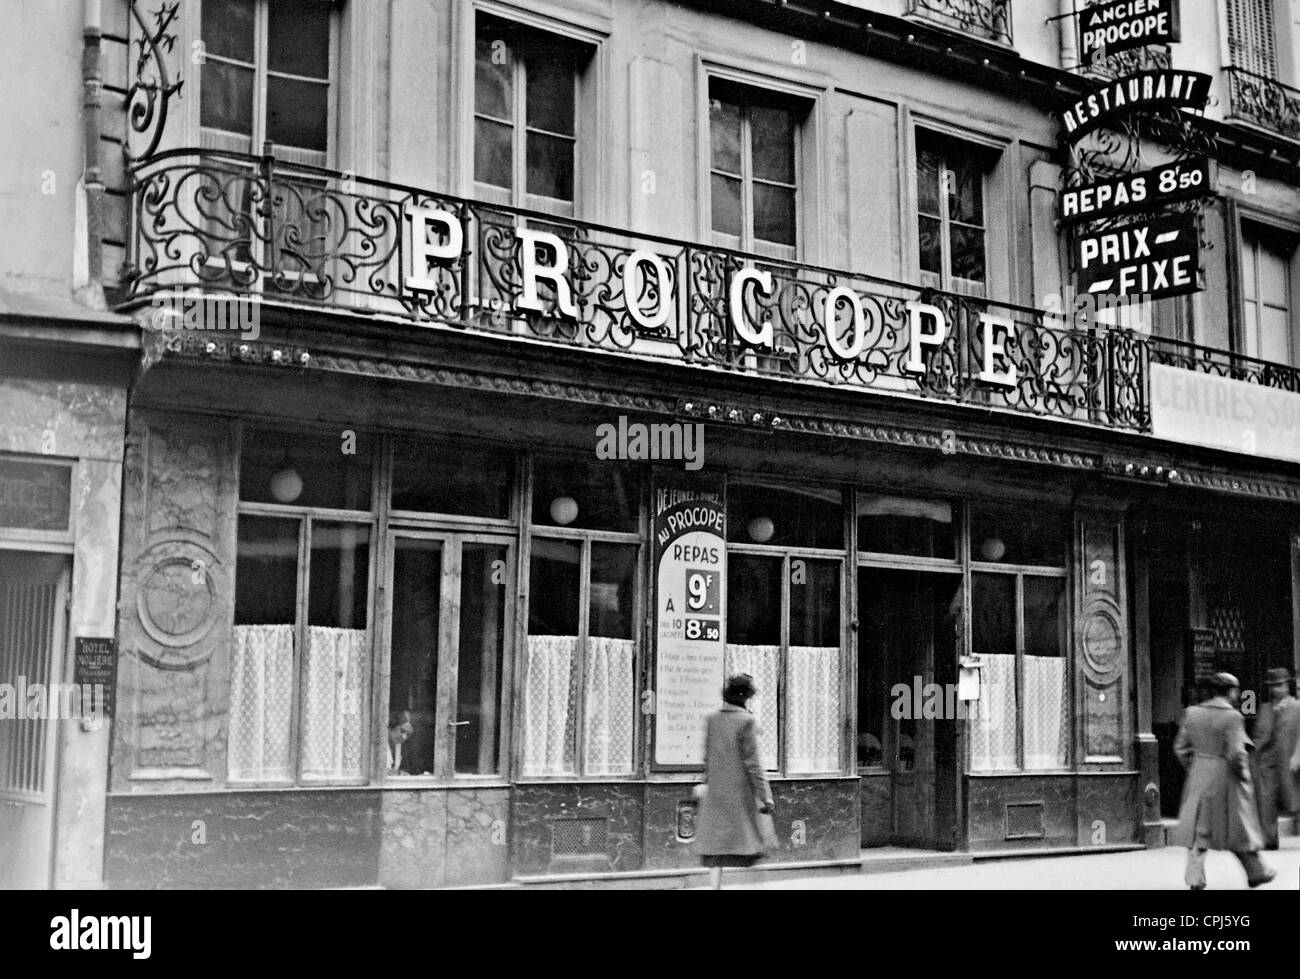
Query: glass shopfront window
x=580 y=661
x=1019 y=629
x=784 y=619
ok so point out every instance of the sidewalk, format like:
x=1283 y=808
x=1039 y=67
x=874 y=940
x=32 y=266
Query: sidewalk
x=1138 y=870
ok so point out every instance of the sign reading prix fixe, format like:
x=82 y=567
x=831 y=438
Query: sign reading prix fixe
x=1148 y=190
x=1122 y=25
x=1139 y=92
x=1154 y=259
x=690 y=616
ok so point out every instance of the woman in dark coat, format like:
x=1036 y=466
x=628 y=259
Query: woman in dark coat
x=736 y=788
x=1218 y=809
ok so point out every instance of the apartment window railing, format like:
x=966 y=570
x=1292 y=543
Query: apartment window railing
x=1223 y=363
x=1263 y=101
x=239 y=226
x=989 y=19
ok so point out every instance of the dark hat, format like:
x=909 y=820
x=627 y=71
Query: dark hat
x=1224 y=681
x=739 y=688
x=1279 y=674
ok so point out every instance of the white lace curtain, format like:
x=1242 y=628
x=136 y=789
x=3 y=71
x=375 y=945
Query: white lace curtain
x=331 y=702
x=550 y=707
x=1045 y=710
x=812 y=731
x=261 y=704
x=610 y=716
x=993 y=734
x=763 y=663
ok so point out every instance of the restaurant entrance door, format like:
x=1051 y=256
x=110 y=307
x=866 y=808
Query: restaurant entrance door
x=909 y=640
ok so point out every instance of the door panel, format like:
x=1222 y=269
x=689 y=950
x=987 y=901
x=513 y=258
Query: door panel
x=909 y=639
x=448 y=640
x=32 y=637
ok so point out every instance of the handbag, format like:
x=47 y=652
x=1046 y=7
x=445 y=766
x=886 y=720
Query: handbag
x=767 y=832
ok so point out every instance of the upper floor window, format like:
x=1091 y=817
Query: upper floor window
x=951 y=226
x=753 y=170
x=267 y=77
x=1266 y=271
x=1252 y=41
x=525 y=116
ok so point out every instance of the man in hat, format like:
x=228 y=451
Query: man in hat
x=1277 y=740
x=1218 y=809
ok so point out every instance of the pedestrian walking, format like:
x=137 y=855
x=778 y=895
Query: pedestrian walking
x=1277 y=754
x=736 y=795
x=1218 y=808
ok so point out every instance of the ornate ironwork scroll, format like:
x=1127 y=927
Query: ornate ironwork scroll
x=990 y=19
x=152 y=87
x=1264 y=102
x=234 y=225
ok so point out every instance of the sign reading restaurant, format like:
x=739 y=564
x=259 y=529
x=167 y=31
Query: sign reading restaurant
x=1122 y=25
x=1139 y=92
x=434 y=239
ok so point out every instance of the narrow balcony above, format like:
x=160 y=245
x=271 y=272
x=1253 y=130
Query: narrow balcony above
x=1262 y=101
x=250 y=228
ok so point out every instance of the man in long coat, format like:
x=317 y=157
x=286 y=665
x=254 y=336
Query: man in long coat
x=1277 y=741
x=1218 y=809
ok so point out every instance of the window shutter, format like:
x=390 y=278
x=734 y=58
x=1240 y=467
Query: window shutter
x=1251 y=40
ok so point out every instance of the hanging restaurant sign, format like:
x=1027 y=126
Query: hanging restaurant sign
x=1122 y=25
x=1154 y=259
x=1149 y=190
x=1139 y=92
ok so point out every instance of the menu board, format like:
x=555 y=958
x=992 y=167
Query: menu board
x=690 y=620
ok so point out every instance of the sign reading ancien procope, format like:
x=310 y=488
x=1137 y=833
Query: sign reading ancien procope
x=1154 y=259
x=1122 y=25
x=690 y=619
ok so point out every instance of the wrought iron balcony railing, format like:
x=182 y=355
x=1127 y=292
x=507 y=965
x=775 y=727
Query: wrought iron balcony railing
x=1263 y=101
x=989 y=19
x=248 y=227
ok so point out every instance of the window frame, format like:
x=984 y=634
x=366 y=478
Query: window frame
x=807 y=89
x=518 y=194
x=1020 y=572
x=945 y=280
x=1260 y=237
x=585 y=539
x=747 y=241
x=220 y=140
x=305 y=517
x=592 y=181
x=448 y=698
x=787 y=554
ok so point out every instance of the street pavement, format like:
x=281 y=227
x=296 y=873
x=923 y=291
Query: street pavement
x=1160 y=869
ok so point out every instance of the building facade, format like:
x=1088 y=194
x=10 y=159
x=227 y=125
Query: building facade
x=508 y=373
